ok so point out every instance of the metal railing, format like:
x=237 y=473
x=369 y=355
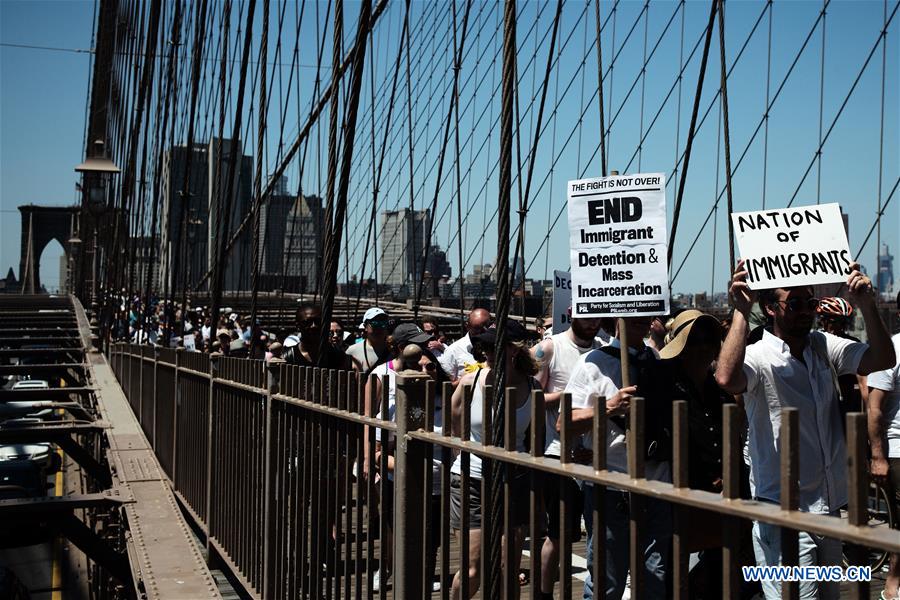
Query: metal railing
x=269 y=460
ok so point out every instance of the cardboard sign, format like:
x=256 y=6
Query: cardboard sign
x=805 y=245
x=562 y=301
x=618 y=230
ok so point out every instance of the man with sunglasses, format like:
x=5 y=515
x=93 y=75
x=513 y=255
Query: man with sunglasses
x=458 y=355
x=373 y=349
x=792 y=366
x=306 y=352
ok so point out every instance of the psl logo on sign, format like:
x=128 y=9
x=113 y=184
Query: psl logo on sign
x=618 y=245
x=805 y=245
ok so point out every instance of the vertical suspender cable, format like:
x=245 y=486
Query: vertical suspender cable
x=224 y=220
x=821 y=108
x=331 y=252
x=459 y=276
x=692 y=129
x=377 y=168
x=599 y=90
x=503 y=291
x=881 y=150
x=765 y=172
x=409 y=148
x=181 y=241
x=724 y=95
x=257 y=188
x=426 y=239
x=643 y=85
x=331 y=174
x=523 y=202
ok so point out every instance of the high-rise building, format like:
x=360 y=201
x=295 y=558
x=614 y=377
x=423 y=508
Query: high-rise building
x=403 y=246
x=184 y=255
x=146 y=259
x=885 y=275
x=238 y=262
x=273 y=227
x=302 y=244
x=190 y=220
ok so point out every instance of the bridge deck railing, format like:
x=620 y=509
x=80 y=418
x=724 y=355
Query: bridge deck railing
x=277 y=466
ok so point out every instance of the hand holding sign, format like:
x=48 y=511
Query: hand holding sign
x=742 y=297
x=859 y=285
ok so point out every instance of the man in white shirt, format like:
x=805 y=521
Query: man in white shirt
x=884 y=441
x=598 y=374
x=557 y=357
x=458 y=355
x=793 y=367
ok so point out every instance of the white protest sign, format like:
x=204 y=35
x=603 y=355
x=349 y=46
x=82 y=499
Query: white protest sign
x=805 y=245
x=189 y=342
x=562 y=300
x=618 y=229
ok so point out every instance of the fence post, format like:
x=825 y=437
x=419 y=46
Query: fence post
x=273 y=384
x=210 y=472
x=155 y=395
x=179 y=353
x=409 y=486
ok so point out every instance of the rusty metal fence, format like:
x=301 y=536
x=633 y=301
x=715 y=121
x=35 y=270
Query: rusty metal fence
x=271 y=461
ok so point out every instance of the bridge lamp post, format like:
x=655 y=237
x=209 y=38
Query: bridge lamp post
x=97 y=171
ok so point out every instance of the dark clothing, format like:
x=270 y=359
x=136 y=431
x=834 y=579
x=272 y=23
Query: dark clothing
x=333 y=359
x=704 y=429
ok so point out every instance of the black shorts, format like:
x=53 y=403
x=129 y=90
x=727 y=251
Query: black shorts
x=519 y=510
x=551 y=505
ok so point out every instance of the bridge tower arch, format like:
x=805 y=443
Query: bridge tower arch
x=40 y=225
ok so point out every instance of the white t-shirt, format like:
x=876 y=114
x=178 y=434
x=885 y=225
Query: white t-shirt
x=597 y=374
x=889 y=381
x=565 y=356
x=523 y=419
x=456 y=357
x=775 y=379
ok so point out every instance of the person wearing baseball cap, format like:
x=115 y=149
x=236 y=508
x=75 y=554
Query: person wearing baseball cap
x=520 y=371
x=373 y=350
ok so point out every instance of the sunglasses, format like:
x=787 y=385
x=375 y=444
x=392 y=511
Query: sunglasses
x=430 y=367
x=798 y=304
x=379 y=324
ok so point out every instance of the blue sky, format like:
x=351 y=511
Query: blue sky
x=42 y=97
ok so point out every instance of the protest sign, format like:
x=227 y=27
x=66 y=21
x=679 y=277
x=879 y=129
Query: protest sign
x=189 y=342
x=618 y=230
x=562 y=300
x=805 y=245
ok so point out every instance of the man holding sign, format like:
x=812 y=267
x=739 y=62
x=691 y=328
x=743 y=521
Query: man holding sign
x=792 y=366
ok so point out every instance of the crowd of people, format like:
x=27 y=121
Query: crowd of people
x=768 y=355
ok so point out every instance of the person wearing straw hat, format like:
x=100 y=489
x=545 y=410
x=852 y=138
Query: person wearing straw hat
x=689 y=355
x=792 y=366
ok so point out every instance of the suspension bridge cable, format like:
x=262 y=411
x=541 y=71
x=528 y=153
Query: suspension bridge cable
x=257 y=186
x=723 y=94
x=502 y=309
x=765 y=168
x=691 y=131
x=303 y=132
x=225 y=215
x=330 y=279
x=840 y=111
x=599 y=98
x=441 y=157
x=881 y=143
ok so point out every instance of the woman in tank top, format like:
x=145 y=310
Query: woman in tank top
x=520 y=370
